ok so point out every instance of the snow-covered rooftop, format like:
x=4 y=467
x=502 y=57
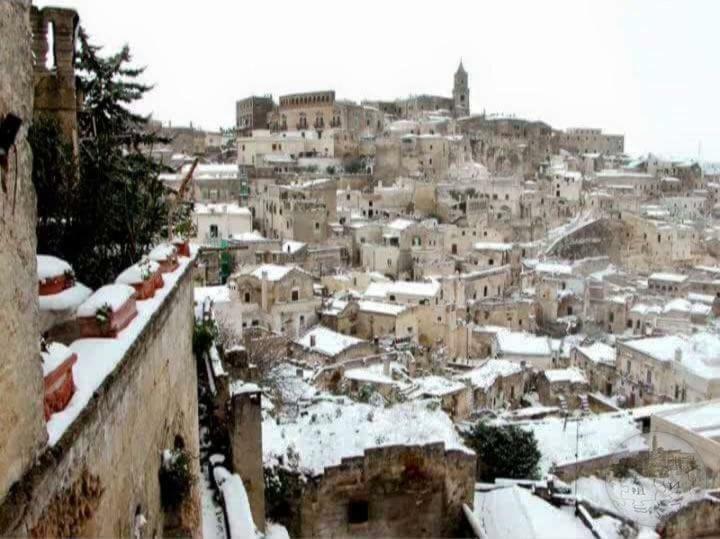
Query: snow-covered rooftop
x=571 y=375
x=483 y=377
x=327 y=341
x=327 y=432
x=492 y=246
x=699 y=353
x=421 y=289
x=230 y=208
x=599 y=353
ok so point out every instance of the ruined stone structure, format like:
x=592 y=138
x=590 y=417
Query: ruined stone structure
x=21 y=377
x=55 y=89
x=370 y=496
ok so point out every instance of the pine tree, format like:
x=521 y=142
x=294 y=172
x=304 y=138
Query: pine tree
x=103 y=213
x=504 y=451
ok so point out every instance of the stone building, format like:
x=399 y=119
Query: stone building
x=671 y=368
x=590 y=140
x=279 y=298
x=252 y=113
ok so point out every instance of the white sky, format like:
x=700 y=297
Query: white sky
x=646 y=68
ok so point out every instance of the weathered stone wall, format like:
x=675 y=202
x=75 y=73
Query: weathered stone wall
x=246 y=436
x=434 y=482
x=106 y=465
x=21 y=382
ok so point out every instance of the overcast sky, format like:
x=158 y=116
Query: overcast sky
x=645 y=68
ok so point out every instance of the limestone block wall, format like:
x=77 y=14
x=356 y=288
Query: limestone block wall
x=21 y=384
x=105 y=467
x=433 y=481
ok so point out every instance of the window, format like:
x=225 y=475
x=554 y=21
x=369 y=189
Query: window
x=247 y=297
x=295 y=295
x=627 y=367
x=213 y=231
x=409 y=330
x=358 y=511
x=317 y=226
x=648 y=377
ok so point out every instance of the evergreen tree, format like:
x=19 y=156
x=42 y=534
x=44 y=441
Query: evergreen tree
x=104 y=210
x=504 y=451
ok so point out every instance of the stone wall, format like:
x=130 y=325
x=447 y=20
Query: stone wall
x=105 y=467
x=21 y=380
x=409 y=491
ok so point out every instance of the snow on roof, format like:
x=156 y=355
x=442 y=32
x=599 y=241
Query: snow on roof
x=327 y=341
x=375 y=374
x=237 y=504
x=51 y=266
x=492 y=246
x=378 y=307
x=436 y=386
x=522 y=343
x=702 y=418
x=249 y=236
x=599 y=353
x=700 y=352
x=400 y=224
x=695 y=297
x=572 y=375
x=643 y=308
x=516 y=512
x=213 y=171
x=600 y=434
x=554 y=267
x=218 y=294
x=138 y=272
x=292 y=247
x=228 y=207
x=112 y=295
x=424 y=289
x=483 y=377
x=97 y=358
x=328 y=431
x=51 y=359
x=272 y=271
x=635 y=490
x=162 y=252
x=238 y=387
x=70 y=298
x=672 y=277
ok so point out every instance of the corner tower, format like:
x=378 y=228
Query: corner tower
x=461 y=92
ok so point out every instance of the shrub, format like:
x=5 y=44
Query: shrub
x=504 y=451
x=175 y=477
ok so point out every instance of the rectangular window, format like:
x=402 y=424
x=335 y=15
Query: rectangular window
x=358 y=512
x=295 y=295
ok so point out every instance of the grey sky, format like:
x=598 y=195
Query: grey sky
x=646 y=68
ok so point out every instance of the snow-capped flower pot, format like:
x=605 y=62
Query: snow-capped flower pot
x=182 y=245
x=58 y=361
x=165 y=254
x=144 y=277
x=54 y=275
x=108 y=311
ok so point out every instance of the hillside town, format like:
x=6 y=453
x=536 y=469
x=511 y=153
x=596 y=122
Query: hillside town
x=336 y=318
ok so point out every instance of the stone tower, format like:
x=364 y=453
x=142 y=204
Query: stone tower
x=461 y=92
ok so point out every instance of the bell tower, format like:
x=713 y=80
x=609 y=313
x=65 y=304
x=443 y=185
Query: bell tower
x=461 y=92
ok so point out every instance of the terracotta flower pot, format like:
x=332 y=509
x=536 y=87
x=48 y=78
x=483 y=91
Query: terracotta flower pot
x=59 y=387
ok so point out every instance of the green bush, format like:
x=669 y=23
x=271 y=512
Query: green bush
x=504 y=451
x=175 y=477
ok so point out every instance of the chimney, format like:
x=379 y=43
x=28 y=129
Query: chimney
x=678 y=354
x=312 y=341
x=386 y=365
